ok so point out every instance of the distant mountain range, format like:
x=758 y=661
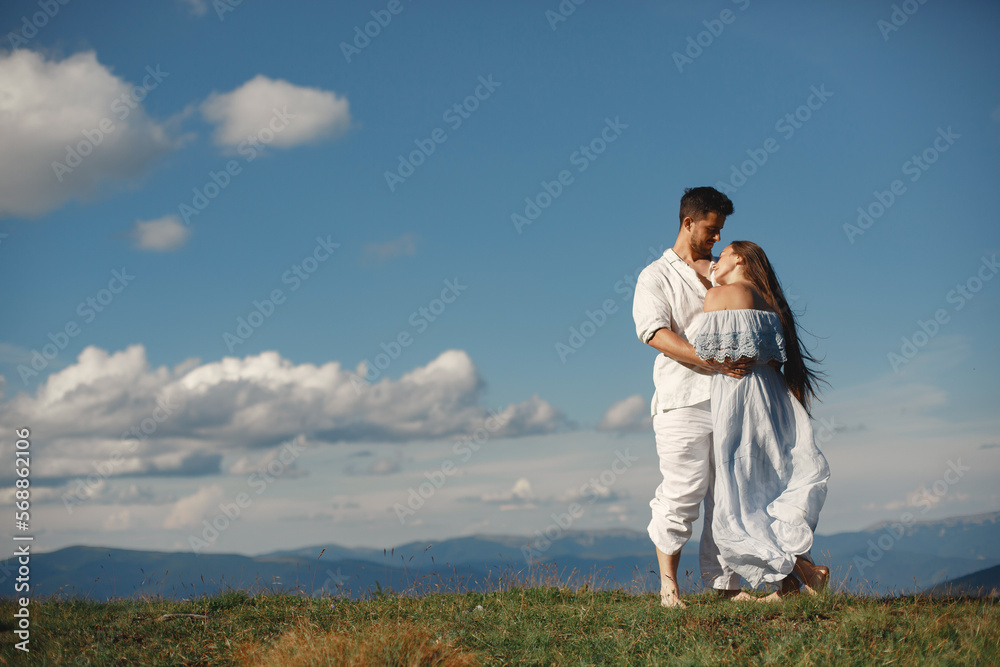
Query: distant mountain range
x=985 y=583
x=883 y=559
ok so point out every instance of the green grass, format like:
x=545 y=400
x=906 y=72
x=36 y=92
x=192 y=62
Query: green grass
x=542 y=625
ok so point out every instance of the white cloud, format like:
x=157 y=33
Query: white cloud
x=50 y=109
x=519 y=497
x=182 y=420
x=82 y=491
x=924 y=498
x=39 y=494
x=523 y=496
x=262 y=104
x=520 y=491
x=629 y=415
x=76 y=458
x=160 y=235
x=377 y=465
x=283 y=459
x=911 y=441
x=120 y=520
x=190 y=510
x=592 y=492
x=134 y=494
x=385 y=466
x=532 y=416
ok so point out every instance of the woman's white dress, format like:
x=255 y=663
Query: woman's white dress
x=770 y=478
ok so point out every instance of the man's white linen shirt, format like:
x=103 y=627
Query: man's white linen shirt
x=669 y=295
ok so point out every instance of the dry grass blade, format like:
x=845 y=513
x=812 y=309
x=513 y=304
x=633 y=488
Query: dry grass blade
x=381 y=643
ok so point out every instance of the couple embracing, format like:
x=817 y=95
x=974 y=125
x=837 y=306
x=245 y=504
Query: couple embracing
x=730 y=412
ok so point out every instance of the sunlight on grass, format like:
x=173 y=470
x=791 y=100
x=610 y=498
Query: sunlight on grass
x=523 y=619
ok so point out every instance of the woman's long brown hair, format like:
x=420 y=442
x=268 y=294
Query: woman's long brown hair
x=801 y=379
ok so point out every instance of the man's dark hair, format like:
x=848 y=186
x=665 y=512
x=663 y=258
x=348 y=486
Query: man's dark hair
x=699 y=202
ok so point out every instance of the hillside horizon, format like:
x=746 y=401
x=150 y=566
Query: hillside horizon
x=891 y=558
x=510 y=538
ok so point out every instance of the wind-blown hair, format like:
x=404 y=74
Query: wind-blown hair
x=801 y=379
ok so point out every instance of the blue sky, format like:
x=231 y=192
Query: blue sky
x=868 y=98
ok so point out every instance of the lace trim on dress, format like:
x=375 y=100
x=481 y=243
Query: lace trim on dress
x=762 y=345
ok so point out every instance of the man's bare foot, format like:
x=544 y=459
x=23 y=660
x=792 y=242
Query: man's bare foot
x=672 y=601
x=670 y=594
x=814 y=577
x=773 y=597
x=736 y=595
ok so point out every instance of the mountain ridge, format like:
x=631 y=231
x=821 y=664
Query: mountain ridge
x=873 y=560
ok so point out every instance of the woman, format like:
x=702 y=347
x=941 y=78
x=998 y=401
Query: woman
x=770 y=478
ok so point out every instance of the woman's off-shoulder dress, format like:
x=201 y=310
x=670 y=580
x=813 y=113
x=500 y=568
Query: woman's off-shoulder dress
x=770 y=477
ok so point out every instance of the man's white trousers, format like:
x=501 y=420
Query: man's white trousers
x=684 y=446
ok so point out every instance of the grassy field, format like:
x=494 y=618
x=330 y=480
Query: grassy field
x=540 y=625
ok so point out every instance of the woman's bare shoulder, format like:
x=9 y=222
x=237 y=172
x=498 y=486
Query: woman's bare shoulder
x=729 y=297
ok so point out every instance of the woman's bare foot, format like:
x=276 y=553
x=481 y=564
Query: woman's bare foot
x=814 y=577
x=671 y=600
x=789 y=586
x=735 y=595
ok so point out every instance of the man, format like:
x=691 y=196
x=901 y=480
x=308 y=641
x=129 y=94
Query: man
x=669 y=293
